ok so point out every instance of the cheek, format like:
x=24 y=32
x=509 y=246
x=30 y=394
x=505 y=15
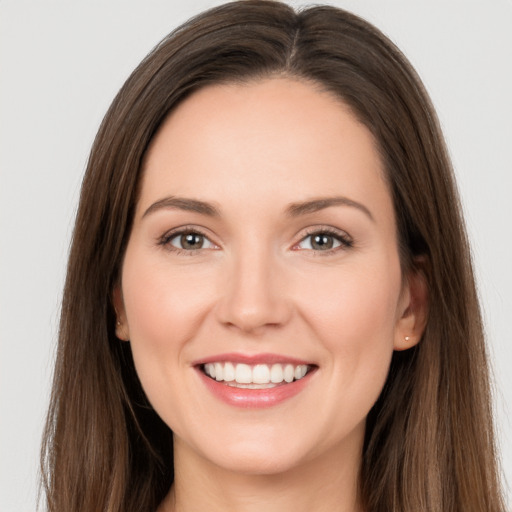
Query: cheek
x=355 y=316
x=355 y=301
x=162 y=304
x=354 y=319
x=164 y=309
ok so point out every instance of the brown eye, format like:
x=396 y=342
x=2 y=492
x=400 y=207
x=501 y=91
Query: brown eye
x=322 y=242
x=190 y=241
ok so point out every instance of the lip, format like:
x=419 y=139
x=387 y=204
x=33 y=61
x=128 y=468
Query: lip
x=253 y=398
x=251 y=359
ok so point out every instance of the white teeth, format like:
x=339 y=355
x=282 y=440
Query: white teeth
x=243 y=374
x=209 y=369
x=261 y=374
x=276 y=373
x=229 y=372
x=250 y=386
x=254 y=377
x=219 y=371
x=300 y=371
x=289 y=371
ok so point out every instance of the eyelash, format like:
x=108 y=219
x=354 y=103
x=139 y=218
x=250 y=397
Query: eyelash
x=165 y=240
x=345 y=242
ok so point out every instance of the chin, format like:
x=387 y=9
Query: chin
x=258 y=453
x=254 y=461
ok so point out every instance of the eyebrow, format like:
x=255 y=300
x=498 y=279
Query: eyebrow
x=315 y=205
x=293 y=210
x=181 y=203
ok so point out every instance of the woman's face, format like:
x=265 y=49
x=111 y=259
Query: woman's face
x=263 y=248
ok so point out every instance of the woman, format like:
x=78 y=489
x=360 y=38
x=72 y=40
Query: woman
x=270 y=301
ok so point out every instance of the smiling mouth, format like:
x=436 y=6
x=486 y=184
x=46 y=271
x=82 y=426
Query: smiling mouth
x=258 y=376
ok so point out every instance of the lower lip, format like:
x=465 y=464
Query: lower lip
x=254 y=398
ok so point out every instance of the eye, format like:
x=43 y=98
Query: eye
x=187 y=241
x=324 y=241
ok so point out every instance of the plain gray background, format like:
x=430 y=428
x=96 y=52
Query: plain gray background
x=61 y=64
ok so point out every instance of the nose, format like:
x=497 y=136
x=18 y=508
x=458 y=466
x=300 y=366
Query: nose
x=254 y=295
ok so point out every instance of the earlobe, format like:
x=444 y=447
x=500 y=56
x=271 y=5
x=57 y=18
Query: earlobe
x=122 y=331
x=414 y=310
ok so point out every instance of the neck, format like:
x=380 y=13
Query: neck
x=325 y=484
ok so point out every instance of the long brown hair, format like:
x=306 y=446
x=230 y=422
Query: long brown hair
x=429 y=442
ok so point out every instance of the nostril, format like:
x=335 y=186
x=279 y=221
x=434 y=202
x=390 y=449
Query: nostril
x=254 y=318
x=254 y=295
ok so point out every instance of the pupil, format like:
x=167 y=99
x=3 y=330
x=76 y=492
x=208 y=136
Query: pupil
x=322 y=242
x=191 y=241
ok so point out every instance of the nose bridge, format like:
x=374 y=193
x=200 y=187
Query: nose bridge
x=254 y=293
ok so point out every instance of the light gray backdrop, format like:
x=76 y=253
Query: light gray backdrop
x=61 y=64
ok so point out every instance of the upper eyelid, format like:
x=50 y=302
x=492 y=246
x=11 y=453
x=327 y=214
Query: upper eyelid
x=303 y=233
x=345 y=240
x=171 y=233
x=165 y=240
x=331 y=230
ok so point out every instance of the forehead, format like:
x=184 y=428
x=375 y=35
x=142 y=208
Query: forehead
x=277 y=137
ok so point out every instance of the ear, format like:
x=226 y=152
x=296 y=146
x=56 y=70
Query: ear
x=122 y=330
x=413 y=308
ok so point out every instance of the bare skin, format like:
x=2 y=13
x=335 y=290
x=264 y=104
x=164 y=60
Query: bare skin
x=265 y=228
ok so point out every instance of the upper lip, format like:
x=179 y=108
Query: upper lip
x=251 y=359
